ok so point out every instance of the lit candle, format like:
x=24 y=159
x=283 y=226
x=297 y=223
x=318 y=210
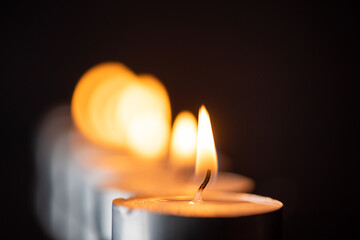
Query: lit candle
x=127 y=117
x=178 y=179
x=199 y=216
x=122 y=126
x=93 y=107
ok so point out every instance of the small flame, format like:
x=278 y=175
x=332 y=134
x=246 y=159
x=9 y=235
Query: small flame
x=206 y=158
x=183 y=140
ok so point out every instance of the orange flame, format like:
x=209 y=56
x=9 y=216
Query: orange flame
x=145 y=110
x=206 y=158
x=115 y=108
x=183 y=140
x=89 y=105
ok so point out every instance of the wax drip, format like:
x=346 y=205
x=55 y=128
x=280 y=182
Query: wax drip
x=198 y=196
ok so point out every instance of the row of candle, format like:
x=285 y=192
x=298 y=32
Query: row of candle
x=118 y=148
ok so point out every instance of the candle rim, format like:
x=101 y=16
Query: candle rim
x=270 y=205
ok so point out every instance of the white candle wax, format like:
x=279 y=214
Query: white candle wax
x=165 y=216
x=91 y=164
x=50 y=165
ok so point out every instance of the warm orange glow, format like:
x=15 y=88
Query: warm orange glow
x=183 y=140
x=144 y=108
x=206 y=157
x=93 y=102
x=114 y=107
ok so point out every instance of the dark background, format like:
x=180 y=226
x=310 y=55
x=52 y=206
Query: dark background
x=277 y=79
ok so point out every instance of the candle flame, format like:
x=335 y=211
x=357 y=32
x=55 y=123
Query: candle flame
x=183 y=140
x=114 y=107
x=145 y=109
x=206 y=158
x=93 y=102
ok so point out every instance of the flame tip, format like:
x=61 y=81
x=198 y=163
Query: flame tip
x=203 y=109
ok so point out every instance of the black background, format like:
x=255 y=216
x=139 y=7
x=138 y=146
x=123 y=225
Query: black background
x=277 y=79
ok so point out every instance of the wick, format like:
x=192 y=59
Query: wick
x=198 y=196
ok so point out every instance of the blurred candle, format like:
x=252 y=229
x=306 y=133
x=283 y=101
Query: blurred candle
x=93 y=165
x=124 y=115
x=50 y=169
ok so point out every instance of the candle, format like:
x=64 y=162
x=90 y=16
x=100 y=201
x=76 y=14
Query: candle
x=153 y=181
x=48 y=185
x=199 y=215
x=59 y=176
x=173 y=178
x=92 y=165
x=127 y=119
